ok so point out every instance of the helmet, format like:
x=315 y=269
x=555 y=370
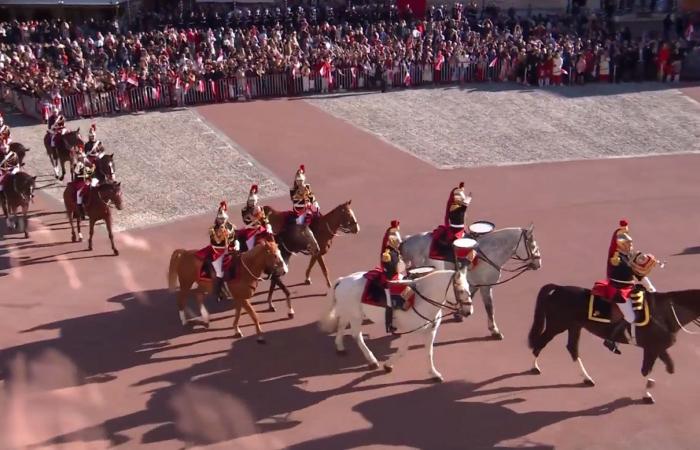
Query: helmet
x=392 y=237
x=253 y=195
x=221 y=214
x=91 y=133
x=300 y=177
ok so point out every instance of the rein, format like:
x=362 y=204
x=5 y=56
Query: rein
x=675 y=316
x=526 y=266
x=250 y=272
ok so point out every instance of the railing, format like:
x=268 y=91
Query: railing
x=267 y=86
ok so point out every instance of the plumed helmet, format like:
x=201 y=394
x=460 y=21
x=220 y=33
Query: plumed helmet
x=300 y=176
x=392 y=237
x=253 y=195
x=92 y=133
x=221 y=214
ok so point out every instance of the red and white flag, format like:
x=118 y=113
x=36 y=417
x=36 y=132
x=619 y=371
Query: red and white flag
x=132 y=80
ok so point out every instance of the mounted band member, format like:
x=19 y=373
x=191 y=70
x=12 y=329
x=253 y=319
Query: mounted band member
x=57 y=126
x=4 y=129
x=625 y=269
x=456 y=211
x=257 y=227
x=84 y=170
x=93 y=147
x=247 y=211
x=9 y=165
x=390 y=260
x=220 y=236
x=303 y=199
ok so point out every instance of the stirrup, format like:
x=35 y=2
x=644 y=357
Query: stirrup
x=612 y=346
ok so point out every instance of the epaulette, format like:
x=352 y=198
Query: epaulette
x=386 y=256
x=615 y=260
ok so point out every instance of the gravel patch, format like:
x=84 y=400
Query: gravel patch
x=171 y=165
x=497 y=125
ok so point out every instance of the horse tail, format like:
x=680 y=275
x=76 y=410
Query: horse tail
x=172 y=270
x=329 y=321
x=538 y=322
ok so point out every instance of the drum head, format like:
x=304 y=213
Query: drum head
x=464 y=243
x=418 y=272
x=481 y=227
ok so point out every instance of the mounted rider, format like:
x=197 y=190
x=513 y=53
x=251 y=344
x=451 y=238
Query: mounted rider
x=390 y=261
x=625 y=270
x=4 y=129
x=84 y=180
x=251 y=203
x=221 y=235
x=9 y=165
x=257 y=227
x=303 y=199
x=455 y=212
x=93 y=147
x=57 y=126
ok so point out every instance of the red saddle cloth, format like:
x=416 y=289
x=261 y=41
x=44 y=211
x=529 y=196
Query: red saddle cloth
x=204 y=272
x=441 y=244
x=374 y=295
x=607 y=291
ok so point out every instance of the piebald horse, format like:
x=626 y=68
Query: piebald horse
x=185 y=268
x=434 y=292
x=494 y=250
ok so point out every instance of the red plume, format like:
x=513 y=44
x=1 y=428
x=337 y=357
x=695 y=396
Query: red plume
x=623 y=223
x=461 y=184
x=94 y=127
x=394 y=224
x=254 y=189
x=223 y=205
x=301 y=167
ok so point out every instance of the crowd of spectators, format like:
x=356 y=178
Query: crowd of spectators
x=44 y=58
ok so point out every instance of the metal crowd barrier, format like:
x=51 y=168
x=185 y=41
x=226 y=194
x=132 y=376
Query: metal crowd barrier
x=268 y=86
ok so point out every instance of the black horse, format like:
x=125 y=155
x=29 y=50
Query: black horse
x=105 y=169
x=567 y=308
x=18 y=192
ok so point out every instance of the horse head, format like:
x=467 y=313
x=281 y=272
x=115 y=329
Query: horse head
x=532 y=251
x=273 y=261
x=105 y=166
x=111 y=193
x=460 y=286
x=348 y=220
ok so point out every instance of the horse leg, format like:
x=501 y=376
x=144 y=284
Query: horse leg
x=322 y=263
x=648 y=364
x=288 y=297
x=182 y=300
x=203 y=313
x=108 y=221
x=541 y=343
x=312 y=261
x=238 y=333
x=92 y=231
x=430 y=340
x=70 y=221
x=77 y=221
x=666 y=358
x=274 y=280
x=356 y=329
x=25 y=221
x=253 y=315
x=400 y=352
x=487 y=297
x=572 y=347
x=340 y=334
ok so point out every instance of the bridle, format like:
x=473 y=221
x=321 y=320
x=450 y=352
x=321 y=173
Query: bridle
x=109 y=202
x=344 y=227
x=528 y=263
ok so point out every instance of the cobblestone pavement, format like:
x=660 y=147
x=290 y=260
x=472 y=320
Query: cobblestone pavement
x=171 y=165
x=495 y=125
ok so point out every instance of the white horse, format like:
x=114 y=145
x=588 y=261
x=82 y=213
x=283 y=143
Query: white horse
x=433 y=294
x=494 y=250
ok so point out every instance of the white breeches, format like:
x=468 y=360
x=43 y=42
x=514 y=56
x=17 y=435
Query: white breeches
x=94 y=182
x=388 y=298
x=218 y=266
x=251 y=242
x=79 y=196
x=301 y=218
x=627 y=311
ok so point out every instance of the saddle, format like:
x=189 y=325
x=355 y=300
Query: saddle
x=601 y=308
x=229 y=267
x=441 y=244
x=402 y=296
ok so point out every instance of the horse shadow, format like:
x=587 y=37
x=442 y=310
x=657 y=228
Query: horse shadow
x=448 y=416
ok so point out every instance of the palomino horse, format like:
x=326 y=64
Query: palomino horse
x=63 y=152
x=20 y=150
x=98 y=201
x=566 y=308
x=291 y=240
x=185 y=268
x=18 y=192
x=494 y=250
x=432 y=294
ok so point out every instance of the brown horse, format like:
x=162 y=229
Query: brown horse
x=566 y=308
x=98 y=202
x=185 y=268
x=18 y=192
x=65 y=151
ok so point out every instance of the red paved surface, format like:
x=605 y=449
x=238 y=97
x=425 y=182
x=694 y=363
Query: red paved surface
x=141 y=382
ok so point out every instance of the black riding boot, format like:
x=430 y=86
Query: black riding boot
x=217 y=288
x=617 y=331
x=389 y=320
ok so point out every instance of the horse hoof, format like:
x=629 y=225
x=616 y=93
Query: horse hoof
x=73 y=238
x=26 y=235
x=116 y=252
x=535 y=371
x=342 y=352
x=651 y=383
x=588 y=382
x=648 y=399
x=373 y=366
x=290 y=315
x=261 y=340
x=307 y=282
x=388 y=368
x=498 y=336
x=238 y=335
x=271 y=309
x=437 y=379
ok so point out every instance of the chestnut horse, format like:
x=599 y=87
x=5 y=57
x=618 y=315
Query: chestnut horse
x=63 y=152
x=185 y=268
x=565 y=308
x=97 y=202
x=18 y=192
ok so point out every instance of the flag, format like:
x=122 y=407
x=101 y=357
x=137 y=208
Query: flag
x=494 y=62
x=248 y=92
x=177 y=83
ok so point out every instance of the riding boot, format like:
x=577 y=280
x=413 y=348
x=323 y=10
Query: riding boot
x=389 y=313
x=81 y=211
x=617 y=331
x=217 y=288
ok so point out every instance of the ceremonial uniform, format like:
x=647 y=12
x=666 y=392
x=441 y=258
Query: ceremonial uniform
x=220 y=236
x=303 y=199
x=93 y=147
x=455 y=214
x=57 y=126
x=9 y=162
x=256 y=228
x=247 y=211
x=84 y=170
x=390 y=260
x=4 y=129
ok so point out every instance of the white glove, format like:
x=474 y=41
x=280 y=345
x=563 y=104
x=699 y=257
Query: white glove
x=236 y=245
x=268 y=228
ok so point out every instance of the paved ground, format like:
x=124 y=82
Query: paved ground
x=103 y=360
x=170 y=163
x=489 y=125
